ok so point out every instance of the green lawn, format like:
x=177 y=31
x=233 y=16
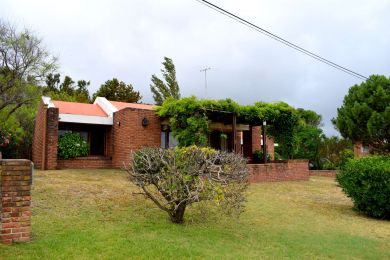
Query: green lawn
x=86 y=214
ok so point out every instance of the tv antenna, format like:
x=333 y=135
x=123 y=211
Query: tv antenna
x=205 y=80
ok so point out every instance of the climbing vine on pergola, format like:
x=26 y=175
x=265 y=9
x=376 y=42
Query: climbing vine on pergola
x=189 y=119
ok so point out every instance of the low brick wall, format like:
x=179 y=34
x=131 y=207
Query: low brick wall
x=90 y=162
x=323 y=173
x=15 y=201
x=291 y=170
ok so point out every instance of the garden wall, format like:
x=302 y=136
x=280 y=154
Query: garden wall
x=291 y=170
x=90 y=162
x=15 y=201
x=323 y=173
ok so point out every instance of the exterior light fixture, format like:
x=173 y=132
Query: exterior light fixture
x=145 y=121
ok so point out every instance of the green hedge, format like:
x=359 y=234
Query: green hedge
x=72 y=145
x=367 y=182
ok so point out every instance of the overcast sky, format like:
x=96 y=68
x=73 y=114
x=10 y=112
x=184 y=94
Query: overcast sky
x=99 y=40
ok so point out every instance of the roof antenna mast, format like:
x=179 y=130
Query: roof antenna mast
x=205 y=80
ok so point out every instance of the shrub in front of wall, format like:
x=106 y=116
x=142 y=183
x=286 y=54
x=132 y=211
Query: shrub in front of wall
x=72 y=145
x=367 y=182
x=258 y=156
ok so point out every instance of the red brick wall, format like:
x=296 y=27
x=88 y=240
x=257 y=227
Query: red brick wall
x=129 y=134
x=90 y=162
x=323 y=173
x=15 y=201
x=45 y=139
x=292 y=170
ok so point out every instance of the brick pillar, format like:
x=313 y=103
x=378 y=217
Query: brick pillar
x=15 y=201
x=51 y=138
x=256 y=138
x=358 y=149
x=45 y=141
x=271 y=147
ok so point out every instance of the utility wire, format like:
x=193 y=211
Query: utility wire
x=281 y=40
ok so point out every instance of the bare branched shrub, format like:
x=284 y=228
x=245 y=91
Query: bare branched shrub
x=176 y=178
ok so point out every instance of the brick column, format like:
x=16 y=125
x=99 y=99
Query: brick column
x=358 y=149
x=51 y=138
x=271 y=147
x=15 y=201
x=256 y=138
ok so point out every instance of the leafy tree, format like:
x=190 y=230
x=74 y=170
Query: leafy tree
x=170 y=88
x=21 y=125
x=176 y=178
x=308 y=137
x=24 y=62
x=118 y=91
x=310 y=118
x=67 y=86
x=365 y=114
x=334 y=152
x=52 y=82
x=66 y=91
x=308 y=142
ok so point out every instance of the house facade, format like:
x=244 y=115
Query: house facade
x=114 y=129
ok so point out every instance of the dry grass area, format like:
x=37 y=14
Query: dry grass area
x=84 y=214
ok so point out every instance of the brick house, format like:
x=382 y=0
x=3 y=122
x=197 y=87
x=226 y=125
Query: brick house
x=114 y=129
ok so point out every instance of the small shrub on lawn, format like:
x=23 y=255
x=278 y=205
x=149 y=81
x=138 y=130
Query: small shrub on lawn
x=72 y=145
x=176 y=178
x=367 y=182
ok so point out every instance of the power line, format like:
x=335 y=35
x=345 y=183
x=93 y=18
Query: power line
x=281 y=40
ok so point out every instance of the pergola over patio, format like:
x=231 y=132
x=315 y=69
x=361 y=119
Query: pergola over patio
x=233 y=133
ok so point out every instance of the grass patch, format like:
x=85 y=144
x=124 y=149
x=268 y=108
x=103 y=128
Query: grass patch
x=84 y=214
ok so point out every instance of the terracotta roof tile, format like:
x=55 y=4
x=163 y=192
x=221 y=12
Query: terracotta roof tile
x=122 y=105
x=79 y=108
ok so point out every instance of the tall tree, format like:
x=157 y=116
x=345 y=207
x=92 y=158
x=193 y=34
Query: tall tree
x=82 y=92
x=308 y=137
x=67 y=86
x=23 y=62
x=365 y=114
x=116 y=90
x=52 y=82
x=67 y=90
x=170 y=88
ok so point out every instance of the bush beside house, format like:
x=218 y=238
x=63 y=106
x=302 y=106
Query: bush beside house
x=71 y=145
x=367 y=182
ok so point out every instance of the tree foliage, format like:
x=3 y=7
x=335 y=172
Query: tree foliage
x=334 y=152
x=23 y=63
x=170 y=88
x=308 y=137
x=365 y=114
x=116 y=90
x=67 y=90
x=176 y=178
